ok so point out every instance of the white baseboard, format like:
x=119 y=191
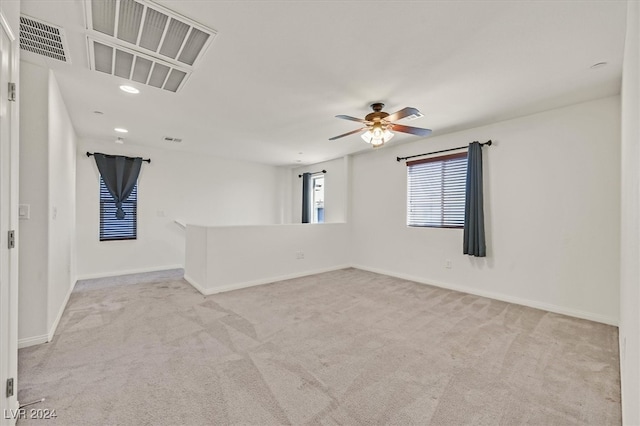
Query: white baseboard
x=37 y=340
x=194 y=283
x=497 y=296
x=32 y=341
x=54 y=326
x=128 y=272
x=253 y=283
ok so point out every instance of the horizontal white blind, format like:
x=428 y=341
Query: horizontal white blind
x=112 y=228
x=436 y=192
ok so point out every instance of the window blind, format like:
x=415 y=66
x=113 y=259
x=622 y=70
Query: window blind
x=436 y=191
x=112 y=228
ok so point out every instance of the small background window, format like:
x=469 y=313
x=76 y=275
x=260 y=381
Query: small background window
x=318 y=199
x=436 y=191
x=112 y=228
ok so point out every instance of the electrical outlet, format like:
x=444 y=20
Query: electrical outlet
x=448 y=264
x=299 y=255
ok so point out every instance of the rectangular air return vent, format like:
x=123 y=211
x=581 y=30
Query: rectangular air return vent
x=43 y=39
x=150 y=28
x=170 y=139
x=132 y=65
x=414 y=116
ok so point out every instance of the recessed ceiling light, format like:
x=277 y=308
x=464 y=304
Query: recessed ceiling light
x=121 y=130
x=119 y=140
x=598 y=65
x=129 y=89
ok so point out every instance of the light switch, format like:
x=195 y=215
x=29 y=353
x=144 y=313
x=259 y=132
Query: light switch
x=24 y=211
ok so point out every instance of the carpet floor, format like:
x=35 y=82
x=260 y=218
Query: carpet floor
x=345 y=347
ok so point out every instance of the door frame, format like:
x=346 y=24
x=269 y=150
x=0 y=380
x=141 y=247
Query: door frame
x=9 y=171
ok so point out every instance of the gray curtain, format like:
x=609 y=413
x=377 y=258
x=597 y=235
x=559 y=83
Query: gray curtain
x=306 y=197
x=474 y=239
x=120 y=175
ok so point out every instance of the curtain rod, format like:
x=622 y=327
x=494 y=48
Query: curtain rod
x=89 y=154
x=443 y=150
x=313 y=173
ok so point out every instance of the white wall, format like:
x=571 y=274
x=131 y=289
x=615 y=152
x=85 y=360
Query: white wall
x=223 y=258
x=195 y=189
x=47 y=184
x=630 y=225
x=62 y=205
x=285 y=195
x=552 y=194
x=34 y=191
x=336 y=184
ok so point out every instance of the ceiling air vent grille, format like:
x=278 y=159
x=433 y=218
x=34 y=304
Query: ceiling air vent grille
x=131 y=65
x=171 y=139
x=43 y=39
x=153 y=29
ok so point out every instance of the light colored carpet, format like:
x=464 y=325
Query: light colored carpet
x=345 y=347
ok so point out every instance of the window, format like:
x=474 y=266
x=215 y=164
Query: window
x=318 y=198
x=436 y=191
x=112 y=228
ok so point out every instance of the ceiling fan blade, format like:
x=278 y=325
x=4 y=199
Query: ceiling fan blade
x=404 y=112
x=348 y=117
x=412 y=130
x=347 y=134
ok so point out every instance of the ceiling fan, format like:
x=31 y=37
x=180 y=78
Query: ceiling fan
x=378 y=125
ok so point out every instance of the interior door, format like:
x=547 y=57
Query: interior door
x=8 y=221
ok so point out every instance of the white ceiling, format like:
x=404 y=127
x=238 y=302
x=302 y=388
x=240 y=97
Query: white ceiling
x=278 y=72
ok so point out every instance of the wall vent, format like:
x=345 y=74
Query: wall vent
x=132 y=65
x=150 y=28
x=414 y=116
x=170 y=139
x=43 y=39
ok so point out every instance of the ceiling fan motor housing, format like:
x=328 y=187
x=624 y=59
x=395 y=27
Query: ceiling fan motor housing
x=377 y=113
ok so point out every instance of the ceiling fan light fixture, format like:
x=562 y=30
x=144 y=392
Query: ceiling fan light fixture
x=377 y=136
x=377 y=124
x=377 y=143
